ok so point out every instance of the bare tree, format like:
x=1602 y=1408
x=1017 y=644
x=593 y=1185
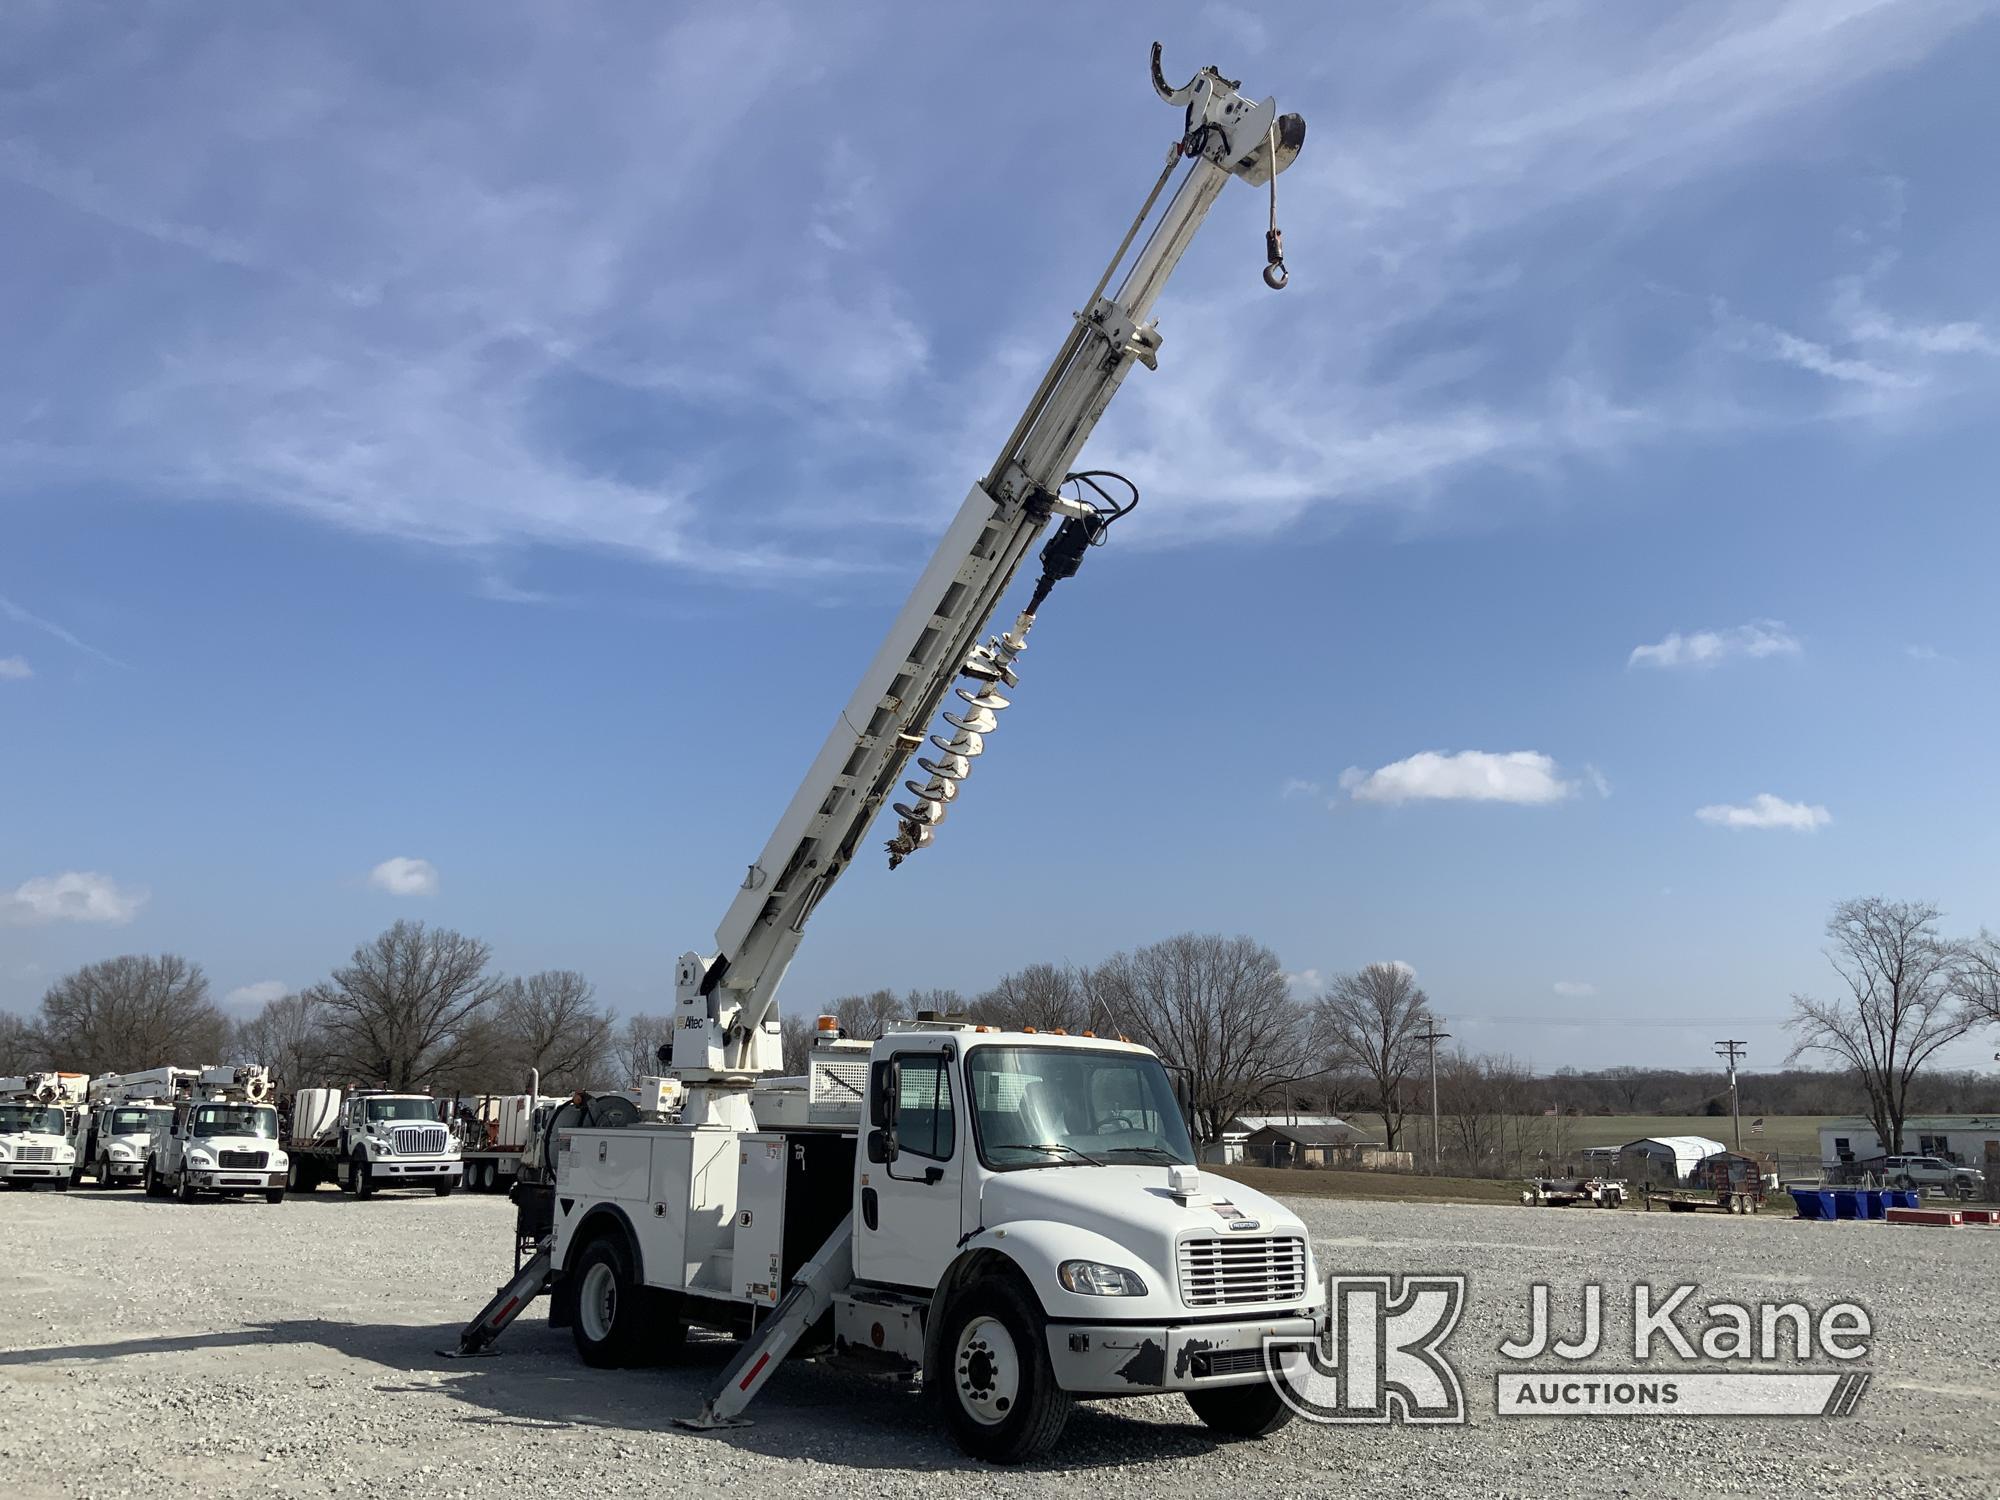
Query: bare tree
x=639 y=1047
x=1218 y=1009
x=943 y=1002
x=1370 y=1021
x=285 y=1036
x=135 y=1011
x=868 y=1016
x=1978 y=978
x=1904 y=983
x=1047 y=997
x=405 y=1013
x=795 y=1039
x=21 y=1049
x=548 y=1022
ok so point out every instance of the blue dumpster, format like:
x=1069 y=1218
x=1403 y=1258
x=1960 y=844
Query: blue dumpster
x=1813 y=1203
x=1846 y=1204
x=1900 y=1197
x=1872 y=1203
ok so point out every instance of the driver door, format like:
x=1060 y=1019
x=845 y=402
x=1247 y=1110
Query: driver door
x=906 y=1208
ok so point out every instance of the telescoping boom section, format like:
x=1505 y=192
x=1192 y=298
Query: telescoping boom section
x=727 y=1022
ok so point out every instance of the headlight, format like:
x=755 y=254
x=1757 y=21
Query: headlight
x=65 y=1153
x=381 y=1144
x=125 y=1153
x=1095 y=1279
x=279 y=1159
x=5 y=1150
x=200 y=1159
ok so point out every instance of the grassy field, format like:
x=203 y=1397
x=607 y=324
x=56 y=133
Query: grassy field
x=1401 y=1187
x=1792 y=1135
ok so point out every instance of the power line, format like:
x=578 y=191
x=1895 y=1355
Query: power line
x=1434 y=1036
x=1732 y=1050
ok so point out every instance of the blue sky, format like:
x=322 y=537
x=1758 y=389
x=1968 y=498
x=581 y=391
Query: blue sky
x=456 y=462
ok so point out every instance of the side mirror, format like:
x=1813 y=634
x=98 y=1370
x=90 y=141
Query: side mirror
x=882 y=1146
x=885 y=1089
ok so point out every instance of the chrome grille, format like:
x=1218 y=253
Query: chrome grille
x=418 y=1140
x=241 y=1158
x=1219 y=1362
x=36 y=1153
x=1241 y=1269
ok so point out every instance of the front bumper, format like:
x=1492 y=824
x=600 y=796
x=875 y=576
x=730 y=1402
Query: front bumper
x=234 y=1180
x=122 y=1171
x=34 y=1171
x=1128 y=1359
x=395 y=1169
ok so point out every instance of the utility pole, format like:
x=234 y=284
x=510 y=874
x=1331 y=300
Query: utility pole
x=1433 y=1036
x=1733 y=1050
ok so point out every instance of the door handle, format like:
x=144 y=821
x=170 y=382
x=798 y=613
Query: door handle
x=870 y=1207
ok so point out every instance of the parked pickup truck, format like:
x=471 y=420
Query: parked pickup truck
x=1933 y=1172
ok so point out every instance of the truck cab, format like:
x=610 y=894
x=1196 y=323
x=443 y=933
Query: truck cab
x=116 y=1138
x=34 y=1144
x=394 y=1140
x=218 y=1144
x=1026 y=1221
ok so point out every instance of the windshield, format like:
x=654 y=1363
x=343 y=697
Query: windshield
x=236 y=1119
x=133 y=1121
x=402 y=1109
x=16 y=1119
x=1064 y=1106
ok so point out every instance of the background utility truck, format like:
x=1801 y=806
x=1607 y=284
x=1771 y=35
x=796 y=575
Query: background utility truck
x=371 y=1139
x=1023 y=1222
x=114 y=1133
x=222 y=1139
x=35 y=1114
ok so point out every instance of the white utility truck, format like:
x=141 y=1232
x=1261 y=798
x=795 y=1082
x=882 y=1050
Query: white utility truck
x=114 y=1133
x=369 y=1139
x=1022 y=1222
x=222 y=1139
x=493 y=1130
x=35 y=1114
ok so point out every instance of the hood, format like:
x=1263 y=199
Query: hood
x=1131 y=1204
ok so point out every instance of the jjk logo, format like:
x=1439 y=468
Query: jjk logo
x=1378 y=1360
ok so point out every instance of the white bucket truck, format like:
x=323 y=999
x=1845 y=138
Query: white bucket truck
x=223 y=1140
x=1022 y=1222
x=35 y=1114
x=369 y=1139
x=113 y=1134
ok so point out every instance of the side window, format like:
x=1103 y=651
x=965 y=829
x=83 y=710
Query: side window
x=924 y=1123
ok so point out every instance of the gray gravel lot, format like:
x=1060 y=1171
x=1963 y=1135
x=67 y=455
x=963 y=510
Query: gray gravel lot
x=249 y=1349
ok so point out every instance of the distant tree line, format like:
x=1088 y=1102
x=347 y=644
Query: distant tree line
x=421 y=1008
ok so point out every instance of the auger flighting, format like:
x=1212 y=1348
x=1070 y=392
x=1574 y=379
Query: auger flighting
x=1084 y=526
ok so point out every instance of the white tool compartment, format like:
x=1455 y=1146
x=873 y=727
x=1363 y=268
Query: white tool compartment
x=760 y=1218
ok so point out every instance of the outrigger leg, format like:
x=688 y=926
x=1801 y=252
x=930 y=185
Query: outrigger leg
x=507 y=1305
x=817 y=1283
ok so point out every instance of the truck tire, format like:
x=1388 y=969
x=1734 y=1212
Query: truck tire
x=298 y=1178
x=611 y=1306
x=274 y=1195
x=1241 y=1411
x=443 y=1189
x=150 y=1181
x=357 y=1175
x=992 y=1375
x=183 y=1188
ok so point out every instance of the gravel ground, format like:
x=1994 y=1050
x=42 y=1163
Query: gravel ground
x=242 y=1348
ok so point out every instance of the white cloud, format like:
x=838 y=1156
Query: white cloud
x=1923 y=653
x=1527 y=777
x=403 y=876
x=15 y=669
x=1305 y=984
x=1704 y=648
x=22 y=616
x=73 y=896
x=1766 y=811
x=254 y=997
x=1574 y=989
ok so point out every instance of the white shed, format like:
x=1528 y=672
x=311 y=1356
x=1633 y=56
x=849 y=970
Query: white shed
x=1675 y=1155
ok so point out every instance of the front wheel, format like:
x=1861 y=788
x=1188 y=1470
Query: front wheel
x=151 y=1180
x=364 y=1185
x=104 y=1177
x=274 y=1195
x=991 y=1374
x=1241 y=1411
x=183 y=1187
x=443 y=1189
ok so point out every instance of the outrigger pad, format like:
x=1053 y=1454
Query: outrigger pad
x=706 y=1421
